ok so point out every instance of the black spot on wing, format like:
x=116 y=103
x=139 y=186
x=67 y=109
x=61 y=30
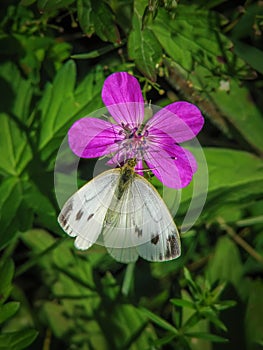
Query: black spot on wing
x=155 y=239
x=138 y=231
x=90 y=217
x=65 y=213
x=79 y=214
x=172 y=248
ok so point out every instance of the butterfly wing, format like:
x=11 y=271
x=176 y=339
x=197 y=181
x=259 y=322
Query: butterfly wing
x=124 y=255
x=83 y=214
x=159 y=239
x=141 y=224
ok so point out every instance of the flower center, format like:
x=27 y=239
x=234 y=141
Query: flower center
x=135 y=141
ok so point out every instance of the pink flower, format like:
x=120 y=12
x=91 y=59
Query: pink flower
x=154 y=141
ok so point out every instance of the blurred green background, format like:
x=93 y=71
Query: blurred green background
x=54 y=57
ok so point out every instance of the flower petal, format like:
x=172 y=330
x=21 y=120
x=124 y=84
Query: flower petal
x=121 y=93
x=180 y=120
x=92 y=137
x=175 y=171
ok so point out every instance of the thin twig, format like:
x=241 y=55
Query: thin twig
x=240 y=241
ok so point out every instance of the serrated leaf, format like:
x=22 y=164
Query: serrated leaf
x=14 y=142
x=193 y=36
x=57 y=99
x=84 y=8
x=62 y=104
x=104 y=23
x=8 y=310
x=97 y=17
x=17 y=340
x=143 y=47
x=18 y=93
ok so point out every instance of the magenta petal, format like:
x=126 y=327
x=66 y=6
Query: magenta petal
x=122 y=95
x=173 y=171
x=91 y=137
x=180 y=120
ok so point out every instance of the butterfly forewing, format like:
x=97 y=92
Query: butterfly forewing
x=83 y=214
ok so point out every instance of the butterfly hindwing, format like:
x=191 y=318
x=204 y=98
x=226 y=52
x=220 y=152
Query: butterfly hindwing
x=141 y=224
x=159 y=238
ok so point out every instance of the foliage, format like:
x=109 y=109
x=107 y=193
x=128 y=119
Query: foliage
x=55 y=56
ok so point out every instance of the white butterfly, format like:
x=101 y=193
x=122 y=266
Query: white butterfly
x=124 y=212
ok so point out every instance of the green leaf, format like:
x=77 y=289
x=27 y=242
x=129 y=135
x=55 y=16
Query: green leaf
x=14 y=142
x=57 y=100
x=247 y=21
x=96 y=53
x=159 y=321
x=18 y=93
x=7 y=269
x=27 y=2
x=234 y=178
x=250 y=54
x=193 y=320
x=53 y=5
x=54 y=313
x=62 y=104
x=104 y=23
x=96 y=16
x=134 y=335
x=254 y=314
x=143 y=47
x=208 y=336
x=128 y=279
x=15 y=214
x=8 y=310
x=17 y=340
x=84 y=8
x=226 y=304
x=193 y=36
x=38 y=240
x=250 y=221
x=213 y=318
x=238 y=107
x=183 y=303
x=226 y=264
